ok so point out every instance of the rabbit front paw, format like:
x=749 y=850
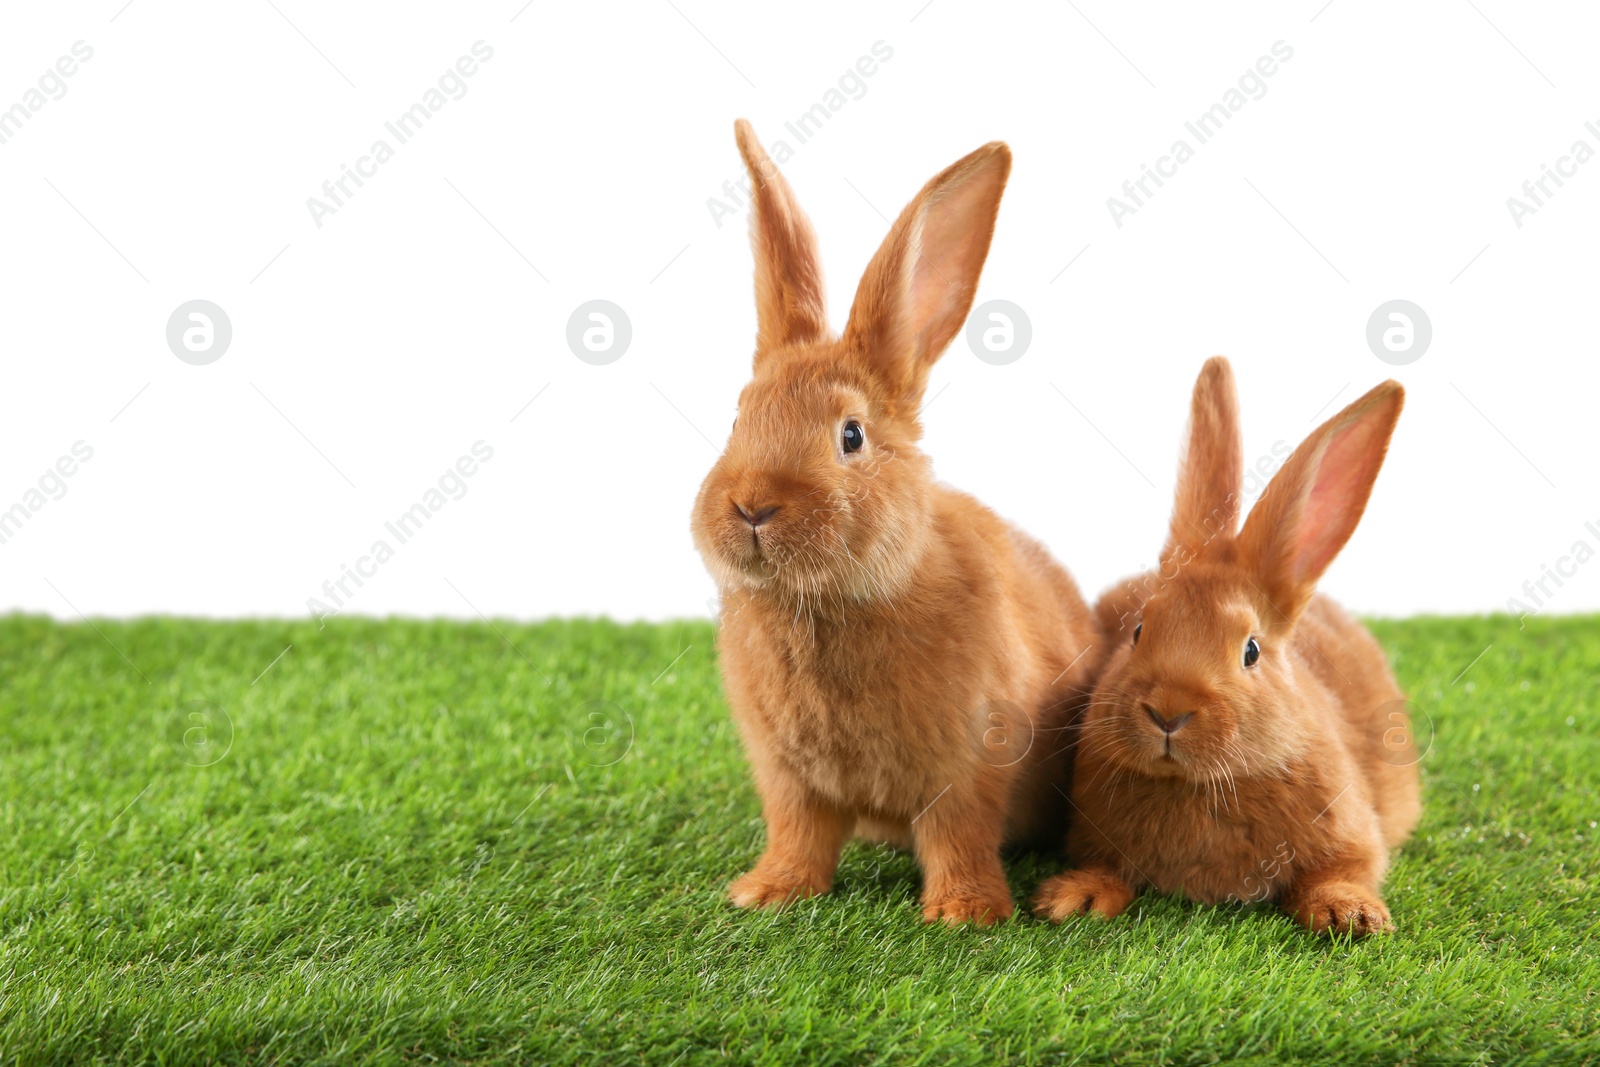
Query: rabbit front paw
x=1083 y=892
x=1340 y=908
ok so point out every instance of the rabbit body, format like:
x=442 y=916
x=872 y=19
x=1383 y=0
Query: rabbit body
x=901 y=663
x=1246 y=740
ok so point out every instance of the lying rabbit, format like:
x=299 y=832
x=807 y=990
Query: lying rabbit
x=1247 y=740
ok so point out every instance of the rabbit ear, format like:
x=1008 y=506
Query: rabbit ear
x=1211 y=474
x=919 y=287
x=1312 y=506
x=789 y=294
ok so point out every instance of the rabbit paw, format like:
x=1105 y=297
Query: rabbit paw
x=1084 y=892
x=765 y=889
x=1340 y=908
x=964 y=908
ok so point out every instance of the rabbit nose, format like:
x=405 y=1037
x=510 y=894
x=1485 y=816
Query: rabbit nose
x=1168 y=726
x=756 y=516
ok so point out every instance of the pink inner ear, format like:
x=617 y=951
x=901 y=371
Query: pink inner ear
x=954 y=241
x=1338 y=496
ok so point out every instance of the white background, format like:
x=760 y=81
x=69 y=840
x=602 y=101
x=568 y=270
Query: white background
x=415 y=321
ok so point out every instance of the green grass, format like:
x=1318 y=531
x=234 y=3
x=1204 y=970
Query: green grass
x=419 y=845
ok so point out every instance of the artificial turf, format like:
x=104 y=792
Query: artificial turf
x=434 y=841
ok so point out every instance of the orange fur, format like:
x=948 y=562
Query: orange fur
x=900 y=662
x=1284 y=782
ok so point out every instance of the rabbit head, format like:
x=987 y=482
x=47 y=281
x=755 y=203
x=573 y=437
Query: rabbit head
x=1206 y=680
x=821 y=494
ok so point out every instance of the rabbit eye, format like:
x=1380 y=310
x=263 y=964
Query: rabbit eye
x=1137 y=630
x=853 y=437
x=1252 y=652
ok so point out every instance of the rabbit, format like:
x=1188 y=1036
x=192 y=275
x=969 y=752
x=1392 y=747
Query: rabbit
x=900 y=662
x=1246 y=739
